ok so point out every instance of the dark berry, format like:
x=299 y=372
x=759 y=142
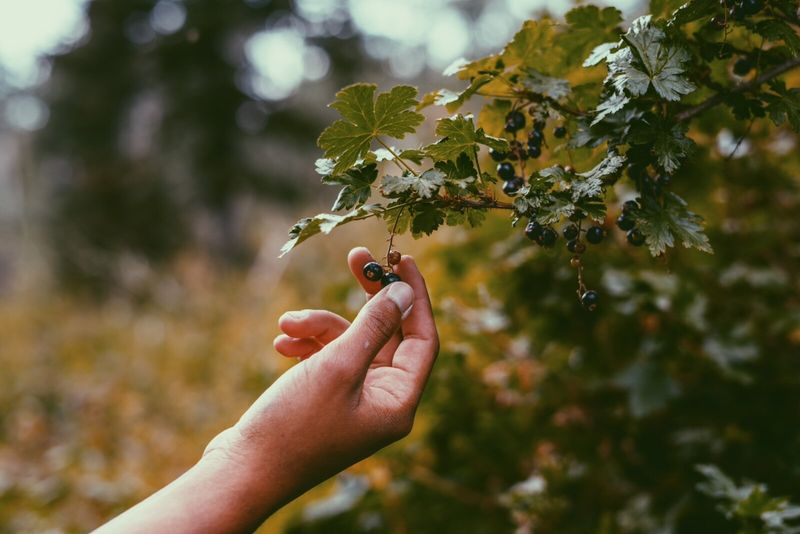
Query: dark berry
x=534 y=151
x=590 y=299
x=569 y=169
x=624 y=222
x=515 y=121
x=547 y=238
x=505 y=170
x=560 y=132
x=595 y=234
x=742 y=66
x=533 y=230
x=635 y=237
x=637 y=172
x=629 y=206
x=578 y=215
x=736 y=12
x=497 y=155
x=751 y=7
x=389 y=278
x=535 y=137
x=373 y=271
x=570 y=231
x=664 y=179
x=539 y=124
x=576 y=246
x=394 y=258
x=511 y=187
x=717 y=22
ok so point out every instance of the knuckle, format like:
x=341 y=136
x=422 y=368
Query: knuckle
x=381 y=322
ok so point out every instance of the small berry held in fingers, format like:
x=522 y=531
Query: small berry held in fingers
x=570 y=231
x=373 y=271
x=497 y=155
x=560 y=132
x=533 y=230
x=590 y=299
x=515 y=121
x=595 y=234
x=394 y=257
x=624 y=222
x=635 y=237
x=505 y=170
x=389 y=278
x=547 y=238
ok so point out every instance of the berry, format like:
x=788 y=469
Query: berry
x=534 y=151
x=533 y=230
x=717 y=22
x=372 y=271
x=515 y=121
x=539 y=125
x=742 y=66
x=497 y=155
x=570 y=231
x=505 y=170
x=595 y=234
x=535 y=137
x=751 y=7
x=547 y=238
x=560 y=132
x=569 y=169
x=590 y=299
x=635 y=237
x=629 y=206
x=576 y=246
x=389 y=278
x=516 y=151
x=637 y=172
x=510 y=187
x=736 y=12
x=624 y=222
x=394 y=257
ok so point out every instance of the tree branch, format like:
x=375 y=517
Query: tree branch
x=718 y=98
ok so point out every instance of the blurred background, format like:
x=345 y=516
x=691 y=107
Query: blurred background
x=153 y=154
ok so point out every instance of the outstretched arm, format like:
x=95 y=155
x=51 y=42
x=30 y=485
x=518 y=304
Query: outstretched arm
x=355 y=391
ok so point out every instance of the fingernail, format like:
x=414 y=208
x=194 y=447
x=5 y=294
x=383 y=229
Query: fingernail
x=297 y=315
x=402 y=295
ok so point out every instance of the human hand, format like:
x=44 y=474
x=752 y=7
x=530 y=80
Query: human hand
x=356 y=389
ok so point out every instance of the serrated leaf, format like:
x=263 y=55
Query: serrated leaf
x=324 y=166
x=357 y=184
x=425 y=185
x=587 y=27
x=784 y=105
x=778 y=30
x=691 y=11
x=325 y=223
x=459 y=135
x=364 y=118
x=668 y=142
x=662 y=223
x=558 y=206
x=537 y=82
x=610 y=165
x=452 y=100
x=649 y=61
x=609 y=106
x=533 y=46
x=600 y=53
x=426 y=219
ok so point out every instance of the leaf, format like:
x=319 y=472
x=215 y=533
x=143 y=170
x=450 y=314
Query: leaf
x=558 y=207
x=324 y=166
x=600 y=53
x=609 y=106
x=778 y=30
x=592 y=182
x=588 y=26
x=357 y=184
x=717 y=484
x=647 y=61
x=427 y=218
x=649 y=387
x=459 y=135
x=364 y=118
x=537 y=82
x=784 y=105
x=452 y=100
x=691 y=11
x=668 y=142
x=662 y=223
x=492 y=117
x=532 y=46
x=460 y=175
x=425 y=185
x=325 y=223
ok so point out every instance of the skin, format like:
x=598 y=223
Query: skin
x=355 y=390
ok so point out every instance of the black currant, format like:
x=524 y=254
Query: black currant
x=505 y=170
x=595 y=234
x=534 y=151
x=576 y=246
x=751 y=7
x=539 y=125
x=624 y=222
x=570 y=231
x=511 y=187
x=389 y=278
x=497 y=155
x=372 y=271
x=635 y=237
x=515 y=121
x=547 y=238
x=717 y=22
x=629 y=206
x=535 y=137
x=560 y=132
x=742 y=66
x=736 y=12
x=590 y=299
x=533 y=230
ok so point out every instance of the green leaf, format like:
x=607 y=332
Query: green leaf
x=426 y=185
x=668 y=142
x=452 y=100
x=357 y=184
x=588 y=27
x=661 y=224
x=325 y=223
x=533 y=46
x=649 y=387
x=559 y=206
x=609 y=106
x=364 y=118
x=784 y=105
x=459 y=135
x=460 y=175
x=324 y=166
x=600 y=53
x=778 y=30
x=648 y=61
x=537 y=82
x=426 y=219
x=691 y=11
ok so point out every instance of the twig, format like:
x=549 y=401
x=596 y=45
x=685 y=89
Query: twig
x=397 y=159
x=394 y=231
x=718 y=98
x=739 y=142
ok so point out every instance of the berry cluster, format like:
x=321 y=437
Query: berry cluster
x=375 y=272
x=735 y=10
x=627 y=223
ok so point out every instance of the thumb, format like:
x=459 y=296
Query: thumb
x=374 y=326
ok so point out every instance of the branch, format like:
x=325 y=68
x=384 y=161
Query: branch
x=718 y=98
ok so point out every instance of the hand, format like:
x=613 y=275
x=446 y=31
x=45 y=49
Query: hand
x=356 y=389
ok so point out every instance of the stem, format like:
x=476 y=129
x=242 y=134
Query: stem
x=394 y=232
x=397 y=159
x=718 y=98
